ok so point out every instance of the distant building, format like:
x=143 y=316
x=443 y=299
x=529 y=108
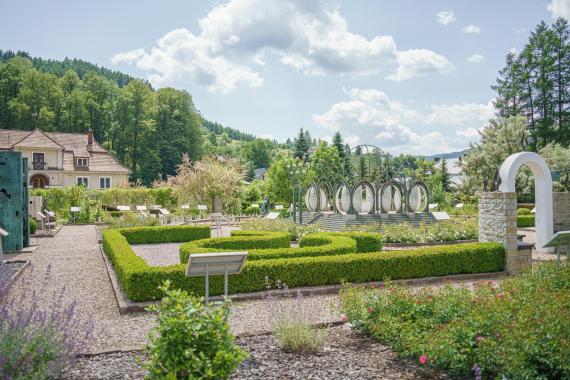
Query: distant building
x=64 y=159
x=259 y=173
x=453 y=168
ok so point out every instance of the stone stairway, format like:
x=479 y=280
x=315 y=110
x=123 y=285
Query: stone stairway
x=336 y=222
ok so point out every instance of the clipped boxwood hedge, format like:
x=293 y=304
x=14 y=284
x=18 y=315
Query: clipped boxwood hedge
x=166 y=234
x=141 y=281
x=524 y=221
x=263 y=245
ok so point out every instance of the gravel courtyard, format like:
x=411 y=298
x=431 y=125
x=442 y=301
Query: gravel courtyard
x=75 y=262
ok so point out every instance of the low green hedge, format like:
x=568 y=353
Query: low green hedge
x=366 y=241
x=166 y=234
x=524 y=221
x=141 y=281
x=273 y=245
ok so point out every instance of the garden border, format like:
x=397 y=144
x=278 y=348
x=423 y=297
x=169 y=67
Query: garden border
x=127 y=306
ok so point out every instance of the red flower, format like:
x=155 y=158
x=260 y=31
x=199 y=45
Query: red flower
x=500 y=295
x=423 y=359
x=479 y=339
x=371 y=310
x=343 y=318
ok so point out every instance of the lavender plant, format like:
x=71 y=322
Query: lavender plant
x=292 y=323
x=37 y=342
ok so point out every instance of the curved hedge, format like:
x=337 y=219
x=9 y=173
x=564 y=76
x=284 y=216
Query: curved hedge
x=140 y=281
x=267 y=245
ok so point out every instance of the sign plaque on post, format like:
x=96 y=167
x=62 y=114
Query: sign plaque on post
x=215 y=264
x=560 y=239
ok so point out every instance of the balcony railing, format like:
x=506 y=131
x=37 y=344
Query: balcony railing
x=39 y=166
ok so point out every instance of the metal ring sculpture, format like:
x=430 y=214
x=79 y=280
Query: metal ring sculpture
x=316 y=198
x=363 y=198
x=365 y=162
x=391 y=197
x=417 y=197
x=342 y=198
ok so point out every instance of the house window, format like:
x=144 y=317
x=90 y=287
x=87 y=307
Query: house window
x=83 y=181
x=82 y=162
x=38 y=161
x=104 y=182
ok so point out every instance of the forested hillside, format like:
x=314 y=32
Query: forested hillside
x=148 y=130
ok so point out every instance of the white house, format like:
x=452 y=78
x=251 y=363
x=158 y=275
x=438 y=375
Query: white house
x=64 y=159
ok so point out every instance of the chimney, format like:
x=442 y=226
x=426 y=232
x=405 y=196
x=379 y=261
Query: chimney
x=89 y=138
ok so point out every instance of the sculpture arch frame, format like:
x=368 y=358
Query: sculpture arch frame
x=370 y=193
x=402 y=191
x=425 y=188
x=339 y=186
x=544 y=223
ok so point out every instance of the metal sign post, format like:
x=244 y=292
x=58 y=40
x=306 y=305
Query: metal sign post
x=560 y=239
x=212 y=264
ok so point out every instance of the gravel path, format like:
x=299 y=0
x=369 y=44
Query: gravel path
x=76 y=263
x=346 y=355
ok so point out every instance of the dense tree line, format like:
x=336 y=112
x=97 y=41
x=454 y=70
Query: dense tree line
x=59 y=68
x=147 y=130
x=233 y=134
x=535 y=84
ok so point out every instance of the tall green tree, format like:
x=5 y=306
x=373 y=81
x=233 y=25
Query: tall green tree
x=444 y=174
x=302 y=144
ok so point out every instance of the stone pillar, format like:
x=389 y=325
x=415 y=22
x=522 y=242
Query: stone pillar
x=561 y=206
x=498 y=222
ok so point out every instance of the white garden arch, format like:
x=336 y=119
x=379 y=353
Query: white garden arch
x=543 y=190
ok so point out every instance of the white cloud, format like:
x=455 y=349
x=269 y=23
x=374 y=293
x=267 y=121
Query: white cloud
x=418 y=63
x=235 y=37
x=471 y=29
x=520 y=30
x=559 y=8
x=128 y=56
x=475 y=59
x=446 y=17
x=371 y=116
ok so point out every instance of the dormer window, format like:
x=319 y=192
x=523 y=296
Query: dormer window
x=82 y=162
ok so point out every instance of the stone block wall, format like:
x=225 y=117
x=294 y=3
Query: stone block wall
x=561 y=205
x=498 y=223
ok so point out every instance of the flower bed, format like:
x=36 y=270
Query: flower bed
x=313 y=266
x=517 y=329
x=453 y=230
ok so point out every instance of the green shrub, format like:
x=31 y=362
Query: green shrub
x=141 y=281
x=33 y=226
x=299 y=336
x=166 y=234
x=366 y=241
x=517 y=329
x=192 y=340
x=524 y=221
x=252 y=211
x=523 y=211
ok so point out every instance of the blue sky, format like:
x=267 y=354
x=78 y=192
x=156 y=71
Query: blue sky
x=409 y=76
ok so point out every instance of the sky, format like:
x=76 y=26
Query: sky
x=409 y=76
